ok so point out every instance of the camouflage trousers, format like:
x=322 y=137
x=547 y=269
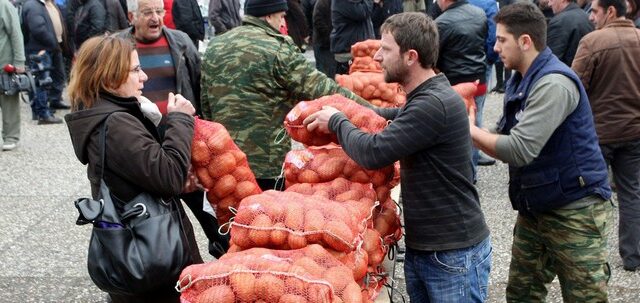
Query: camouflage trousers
x=569 y=243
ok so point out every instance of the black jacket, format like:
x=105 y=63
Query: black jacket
x=351 y=21
x=381 y=13
x=187 y=18
x=89 y=21
x=224 y=15
x=37 y=28
x=463 y=32
x=565 y=31
x=116 y=17
x=322 y=24
x=296 y=24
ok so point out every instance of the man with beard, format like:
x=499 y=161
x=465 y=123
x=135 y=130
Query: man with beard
x=172 y=62
x=430 y=137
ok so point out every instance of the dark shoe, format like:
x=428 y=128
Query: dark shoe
x=59 y=106
x=485 y=160
x=631 y=269
x=49 y=120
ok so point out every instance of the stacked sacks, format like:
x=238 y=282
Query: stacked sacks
x=310 y=274
x=366 y=80
x=221 y=168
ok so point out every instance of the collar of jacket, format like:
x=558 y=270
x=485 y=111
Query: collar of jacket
x=456 y=4
x=255 y=21
x=620 y=23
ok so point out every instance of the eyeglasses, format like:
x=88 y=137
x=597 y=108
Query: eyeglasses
x=148 y=13
x=136 y=69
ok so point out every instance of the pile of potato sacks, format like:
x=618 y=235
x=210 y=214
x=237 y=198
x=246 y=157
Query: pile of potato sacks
x=321 y=240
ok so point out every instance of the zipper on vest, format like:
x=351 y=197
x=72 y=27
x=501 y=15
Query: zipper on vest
x=581 y=181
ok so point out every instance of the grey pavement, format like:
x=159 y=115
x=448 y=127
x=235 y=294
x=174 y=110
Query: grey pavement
x=43 y=253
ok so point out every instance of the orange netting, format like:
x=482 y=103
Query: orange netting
x=289 y=220
x=363 y=118
x=364 y=64
x=387 y=222
x=373 y=88
x=367 y=48
x=467 y=91
x=221 y=167
x=310 y=274
x=326 y=163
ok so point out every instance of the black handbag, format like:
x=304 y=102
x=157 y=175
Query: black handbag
x=139 y=250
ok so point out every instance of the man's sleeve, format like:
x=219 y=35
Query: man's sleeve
x=303 y=80
x=15 y=36
x=584 y=64
x=551 y=100
x=417 y=128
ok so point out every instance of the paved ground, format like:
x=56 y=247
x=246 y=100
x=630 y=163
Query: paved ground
x=43 y=254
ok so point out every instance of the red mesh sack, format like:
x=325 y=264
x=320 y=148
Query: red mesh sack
x=310 y=274
x=467 y=91
x=323 y=164
x=357 y=261
x=367 y=48
x=360 y=195
x=364 y=64
x=221 y=167
x=387 y=222
x=373 y=244
x=373 y=88
x=364 y=118
x=288 y=220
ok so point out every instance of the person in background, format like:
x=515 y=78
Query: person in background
x=11 y=52
x=89 y=20
x=172 y=62
x=188 y=18
x=351 y=23
x=252 y=100
x=116 y=17
x=224 y=15
x=168 y=14
x=383 y=10
x=608 y=64
x=45 y=43
x=569 y=24
x=464 y=32
x=502 y=74
x=297 y=25
x=633 y=11
x=325 y=61
x=106 y=81
x=557 y=176
x=445 y=228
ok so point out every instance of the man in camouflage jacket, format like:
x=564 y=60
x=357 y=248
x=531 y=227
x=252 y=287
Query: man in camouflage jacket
x=252 y=76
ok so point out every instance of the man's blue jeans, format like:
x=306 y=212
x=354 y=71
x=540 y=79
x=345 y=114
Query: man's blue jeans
x=458 y=275
x=39 y=98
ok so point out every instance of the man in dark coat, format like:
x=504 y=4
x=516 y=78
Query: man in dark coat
x=569 y=24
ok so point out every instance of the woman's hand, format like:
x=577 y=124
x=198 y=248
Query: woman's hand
x=177 y=103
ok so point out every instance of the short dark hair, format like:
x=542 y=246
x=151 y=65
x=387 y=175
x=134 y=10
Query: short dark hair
x=522 y=18
x=619 y=5
x=415 y=31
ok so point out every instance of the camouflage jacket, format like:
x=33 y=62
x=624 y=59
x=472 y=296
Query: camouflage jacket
x=251 y=78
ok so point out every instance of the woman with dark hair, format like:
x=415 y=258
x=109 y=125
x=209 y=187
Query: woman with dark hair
x=297 y=24
x=105 y=86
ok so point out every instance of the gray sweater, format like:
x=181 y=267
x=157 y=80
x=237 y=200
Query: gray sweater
x=430 y=136
x=11 y=41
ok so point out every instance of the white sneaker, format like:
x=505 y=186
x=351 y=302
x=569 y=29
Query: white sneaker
x=9 y=146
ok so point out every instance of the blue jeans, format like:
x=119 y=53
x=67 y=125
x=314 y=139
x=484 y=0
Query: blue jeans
x=458 y=275
x=39 y=98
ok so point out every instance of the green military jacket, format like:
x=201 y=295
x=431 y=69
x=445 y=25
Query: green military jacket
x=252 y=76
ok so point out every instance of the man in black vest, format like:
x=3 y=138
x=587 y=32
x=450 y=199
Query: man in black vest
x=557 y=175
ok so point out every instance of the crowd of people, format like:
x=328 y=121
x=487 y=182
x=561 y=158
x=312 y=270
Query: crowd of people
x=571 y=112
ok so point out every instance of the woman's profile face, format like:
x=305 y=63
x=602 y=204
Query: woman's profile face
x=134 y=84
